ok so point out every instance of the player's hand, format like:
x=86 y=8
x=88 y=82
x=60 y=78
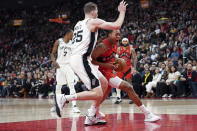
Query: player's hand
x=114 y=72
x=110 y=65
x=122 y=6
x=56 y=65
x=116 y=66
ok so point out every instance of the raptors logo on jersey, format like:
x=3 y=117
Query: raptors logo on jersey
x=64 y=51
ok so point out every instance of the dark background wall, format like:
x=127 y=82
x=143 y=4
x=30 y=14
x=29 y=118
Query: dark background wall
x=26 y=3
x=14 y=4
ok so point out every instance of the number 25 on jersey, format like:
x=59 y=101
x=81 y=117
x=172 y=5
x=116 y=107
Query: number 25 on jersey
x=77 y=36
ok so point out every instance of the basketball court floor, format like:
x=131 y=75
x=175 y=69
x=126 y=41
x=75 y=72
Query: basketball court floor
x=35 y=115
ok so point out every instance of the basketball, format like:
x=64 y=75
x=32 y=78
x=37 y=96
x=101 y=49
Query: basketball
x=121 y=64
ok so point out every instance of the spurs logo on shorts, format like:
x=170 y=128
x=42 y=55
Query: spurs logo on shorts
x=93 y=81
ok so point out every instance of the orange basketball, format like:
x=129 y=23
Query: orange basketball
x=121 y=64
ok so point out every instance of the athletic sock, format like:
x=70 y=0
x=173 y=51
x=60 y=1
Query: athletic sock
x=98 y=109
x=92 y=111
x=144 y=110
x=70 y=97
x=74 y=103
x=118 y=93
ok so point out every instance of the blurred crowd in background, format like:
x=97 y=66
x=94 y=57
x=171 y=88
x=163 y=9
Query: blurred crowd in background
x=164 y=37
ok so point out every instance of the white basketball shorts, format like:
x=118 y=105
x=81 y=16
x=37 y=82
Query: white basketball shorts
x=87 y=72
x=64 y=74
x=115 y=82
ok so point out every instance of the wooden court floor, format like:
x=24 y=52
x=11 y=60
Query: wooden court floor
x=35 y=115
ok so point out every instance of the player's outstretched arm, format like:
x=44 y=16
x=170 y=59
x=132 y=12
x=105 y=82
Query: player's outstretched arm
x=54 y=52
x=98 y=23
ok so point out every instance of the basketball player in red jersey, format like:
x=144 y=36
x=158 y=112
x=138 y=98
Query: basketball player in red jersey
x=126 y=52
x=104 y=56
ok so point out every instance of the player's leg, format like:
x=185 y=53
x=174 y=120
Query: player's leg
x=58 y=91
x=83 y=68
x=118 y=91
x=104 y=85
x=125 y=86
x=61 y=80
x=108 y=89
x=93 y=94
x=70 y=76
x=118 y=96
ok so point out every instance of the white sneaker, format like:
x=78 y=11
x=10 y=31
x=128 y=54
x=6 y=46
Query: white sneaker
x=59 y=103
x=118 y=101
x=170 y=95
x=151 y=118
x=165 y=95
x=93 y=120
x=76 y=109
x=100 y=115
x=53 y=109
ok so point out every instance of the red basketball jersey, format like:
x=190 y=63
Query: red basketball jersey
x=108 y=57
x=126 y=54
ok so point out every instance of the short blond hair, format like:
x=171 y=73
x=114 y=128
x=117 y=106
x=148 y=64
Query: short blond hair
x=88 y=7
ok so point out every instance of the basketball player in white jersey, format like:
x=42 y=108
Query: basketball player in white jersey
x=64 y=73
x=83 y=42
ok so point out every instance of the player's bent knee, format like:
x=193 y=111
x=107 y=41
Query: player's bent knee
x=126 y=86
x=98 y=93
x=104 y=82
x=98 y=96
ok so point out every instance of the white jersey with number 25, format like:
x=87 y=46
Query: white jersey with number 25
x=84 y=40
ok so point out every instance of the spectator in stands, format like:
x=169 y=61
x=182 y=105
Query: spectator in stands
x=153 y=68
x=194 y=65
x=162 y=68
x=145 y=79
x=3 y=89
x=146 y=67
x=29 y=85
x=154 y=55
x=152 y=84
x=190 y=53
x=137 y=82
x=175 y=54
x=162 y=89
x=191 y=77
x=172 y=80
x=47 y=85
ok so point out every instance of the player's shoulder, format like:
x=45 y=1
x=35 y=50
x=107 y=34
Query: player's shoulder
x=96 y=21
x=101 y=45
x=60 y=40
x=57 y=41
